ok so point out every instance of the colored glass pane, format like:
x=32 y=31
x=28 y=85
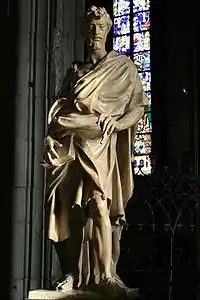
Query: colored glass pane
x=141 y=5
x=141 y=21
x=121 y=44
x=146 y=80
x=142 y=165
x=141 y=41
x=145 y=124
x=141 y=56
x=148 y=109
x=122 y=25
x=148 y=94
x=121 y=7
x=142 y=144
x=142 y=60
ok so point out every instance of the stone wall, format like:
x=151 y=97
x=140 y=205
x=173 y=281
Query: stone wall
x=47 y=42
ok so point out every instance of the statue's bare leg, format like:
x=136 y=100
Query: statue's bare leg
x=102 y=243
x=69 y=251
x=102 y=235
x=116 y=233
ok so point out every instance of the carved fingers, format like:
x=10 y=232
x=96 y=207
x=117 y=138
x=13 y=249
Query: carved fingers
x=107 y=125
x=49 y=151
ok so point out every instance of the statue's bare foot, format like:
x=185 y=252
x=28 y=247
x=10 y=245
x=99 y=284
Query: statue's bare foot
x=65 y=283
x=112 y=287
x=119 y=281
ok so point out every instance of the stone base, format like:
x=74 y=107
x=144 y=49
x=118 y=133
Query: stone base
x=55 y=295
x=45 y=294
x=77 y=295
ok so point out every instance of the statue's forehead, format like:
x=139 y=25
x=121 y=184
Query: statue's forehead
x=98 y=21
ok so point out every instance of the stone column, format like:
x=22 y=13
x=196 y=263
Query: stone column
x=47 y=44
x=28 y=185
x=22 y=162
x=38 y=121
x=42 y=63
x=67 y=45
x=66 y=41
x=79 y=41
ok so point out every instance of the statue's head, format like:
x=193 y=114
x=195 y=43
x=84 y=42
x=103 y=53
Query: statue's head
x=95 y=25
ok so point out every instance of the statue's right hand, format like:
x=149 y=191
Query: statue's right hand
x=49 y=150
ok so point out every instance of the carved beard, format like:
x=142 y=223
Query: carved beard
x=95 y=44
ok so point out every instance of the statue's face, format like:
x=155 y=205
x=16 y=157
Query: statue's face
x=96 y=32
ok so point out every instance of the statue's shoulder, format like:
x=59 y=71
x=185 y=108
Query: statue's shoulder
x=126 y=60
x=122 y=57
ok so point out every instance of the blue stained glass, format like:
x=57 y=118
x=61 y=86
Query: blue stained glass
x=148 y=94
x=122 y=25
x=141 y=5
x=141 y=41
x=142 y=165
x=141 y=53
x=141 y=21
x=146 y=80
x=121 y=44
x=142 y=60
x=121 y=7
x=142 y=144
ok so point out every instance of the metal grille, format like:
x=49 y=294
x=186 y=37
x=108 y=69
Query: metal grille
x=160 y=243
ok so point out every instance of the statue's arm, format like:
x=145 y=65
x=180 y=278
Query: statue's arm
x=74 y=123
x=77 y=120
x=130 y=118
x=138 y=101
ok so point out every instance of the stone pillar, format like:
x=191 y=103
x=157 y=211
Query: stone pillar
x=48 y=41
x=67 y=43
x=79 y=41
x=67 y=46
x=22 y=144
x=38 y=98
x=28 y=185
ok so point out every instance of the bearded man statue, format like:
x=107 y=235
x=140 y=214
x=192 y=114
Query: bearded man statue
x=87 y=155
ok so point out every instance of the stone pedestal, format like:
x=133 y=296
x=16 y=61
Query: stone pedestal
x=55 y=295
x=46 y=294
x=79 y=295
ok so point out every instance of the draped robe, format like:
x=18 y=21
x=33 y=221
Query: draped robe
x=113 y=87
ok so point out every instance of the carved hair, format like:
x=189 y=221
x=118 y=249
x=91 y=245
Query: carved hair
x=94 y=13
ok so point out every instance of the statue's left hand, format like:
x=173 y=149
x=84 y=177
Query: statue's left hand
x=49 y=152
x=107 y=124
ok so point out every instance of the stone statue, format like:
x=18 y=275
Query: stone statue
x=87 y=155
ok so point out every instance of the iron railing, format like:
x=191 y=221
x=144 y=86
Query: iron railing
x=160 y=243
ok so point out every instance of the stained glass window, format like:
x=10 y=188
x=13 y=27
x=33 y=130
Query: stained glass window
x=141 y=21
x=141 y=41
x=144 y=124
x=131 y=37
x=122 y=44
x=121 y=7
x=122 y=25
x=140 y=5
x=142 y=144
x=146 y=80
x=142 y=60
